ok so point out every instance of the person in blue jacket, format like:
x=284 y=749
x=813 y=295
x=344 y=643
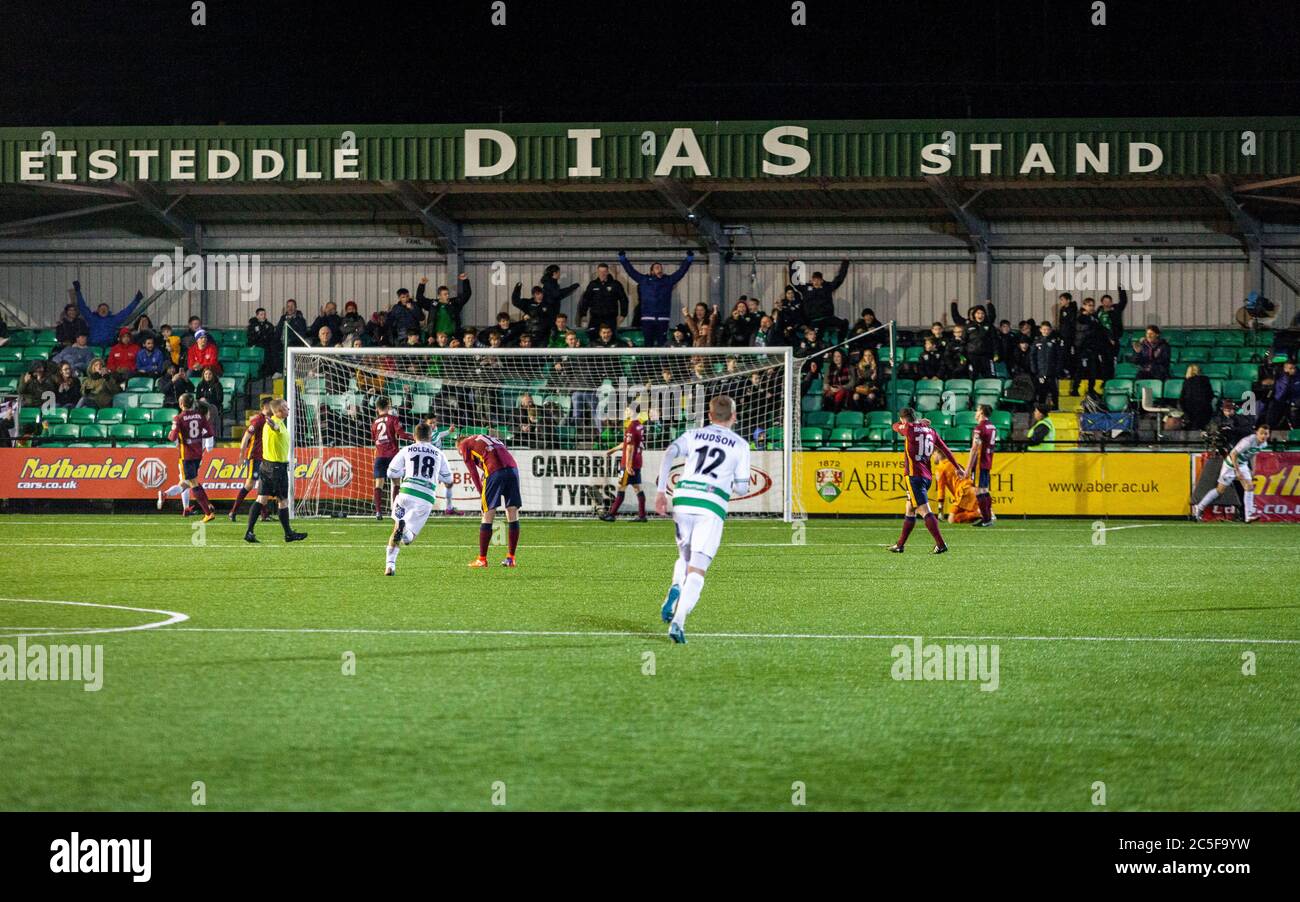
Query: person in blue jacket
x=104 y=324
x=656 y=297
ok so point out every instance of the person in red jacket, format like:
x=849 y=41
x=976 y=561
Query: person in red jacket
x=121 y=359
x=202 y=354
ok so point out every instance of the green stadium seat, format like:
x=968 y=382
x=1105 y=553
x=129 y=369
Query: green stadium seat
x=64 y=431
x=235 y=338
x=135 y=415
x=163 y=415
x=941 y=418
x=961 y=385
x=36 y=352
x=1247 y=371
x=8 y=385
x=810 y=403
x=126 y=399
x=810 y=437
x=775 y=437
x=1118 y=393
x=881 y=418
x=29 y=416
x=123 y=432
x=841 y=436
x=140 y=383
x=1249 y=355
x=1002 y=420
x=1126 y=370
x=822 y=419
x=1202 y=338
x=850 y=418
x=1172 y=390
x=929 y=387
x=1216 y=383
x=988 y=387
x=1235 y=388
x=230 y=385
x=14 y=368
x=964 y=419
x=152 y=399
x=956 y=400
x=110 y=415
x=1231 y=337
x=154 y=432
x=21 y=339
x=94 y=431
x=252 y=355
x=1156 y=386
x=927 y=403
x=422 y=404
x=1219 y=354
x=9 y=353
x=82 y=415
x=1216 y=370
x=565 y=436
x=57 y=415
x=954 y=435
x=990 y=399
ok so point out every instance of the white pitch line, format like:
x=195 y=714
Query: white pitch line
x=850 y=637
x=172 y=617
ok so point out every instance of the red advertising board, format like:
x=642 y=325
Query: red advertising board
x=1277 y=489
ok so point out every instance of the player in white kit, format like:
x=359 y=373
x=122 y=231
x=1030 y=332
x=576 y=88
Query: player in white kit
x=716 y=466
x=421 y=465
x=1238 y=466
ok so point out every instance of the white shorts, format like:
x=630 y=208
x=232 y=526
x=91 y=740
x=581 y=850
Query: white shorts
x=415 y=511
x=1227 y=476
x=699 y=534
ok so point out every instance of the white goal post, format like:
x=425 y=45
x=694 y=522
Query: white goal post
x=559 y=410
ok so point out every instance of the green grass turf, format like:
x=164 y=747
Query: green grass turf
x=546 y=692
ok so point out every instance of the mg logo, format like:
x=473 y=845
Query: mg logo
x=151 y=473
x=337 y=472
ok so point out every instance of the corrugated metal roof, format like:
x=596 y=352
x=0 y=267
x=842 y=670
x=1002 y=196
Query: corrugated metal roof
x=733 y=150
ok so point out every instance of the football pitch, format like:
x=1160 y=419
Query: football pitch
x=1161 y=659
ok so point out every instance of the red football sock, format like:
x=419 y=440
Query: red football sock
x=908 y=523
x=239 y=499
x=512 y=536
x=986 y=506
x=617 y=503
x=640 y=504
x=379 y=500
x=484 y=538
x=201 y=496
x=932 y=524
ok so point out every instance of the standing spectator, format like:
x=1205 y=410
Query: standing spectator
x=70 y=325
x=102 y=323
x=121 y=359
x=736 y=332
x=172 y=384
x=261 y=334
x=202 y=353
x=655 y=296
x=444 y=310
x=1018 y=362
x=1152 y=355
x=67 y=387
x=1046 y=362
x=980 y=338
x=555 y=295
x=292 y=327
x=955 y=363
x=1066 y=312
x=99 y=386
x=352 y=325
x=817 y=299
x=210 y=389
x=930 y=363
x=403 y=319
x=79 y=353
x=1111 y=317
x=539 y=315
x=328 y=319
x=837 y=382
x=1283 y=406
x=377 y=328
x=509 y=330
x=1005 y=341
x=701 y=322
x=150 y=360
x=864 y=326
x=1091 y=344
x=1226 y=428
x=765 y=335
x=604 y=301
x=1196 y=401
x=38 y=385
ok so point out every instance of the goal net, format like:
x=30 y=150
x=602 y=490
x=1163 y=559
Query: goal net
x=560 y=411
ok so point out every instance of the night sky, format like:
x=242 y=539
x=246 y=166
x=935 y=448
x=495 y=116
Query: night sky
x=135 y=62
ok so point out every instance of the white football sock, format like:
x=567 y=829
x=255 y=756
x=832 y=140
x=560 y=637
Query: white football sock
x=1208 y=499
x=679 y=572
x=392 y=556
x=1250 y=504
x=690 y=597
x=175 y=490
x=185 y=498
x=448 y=497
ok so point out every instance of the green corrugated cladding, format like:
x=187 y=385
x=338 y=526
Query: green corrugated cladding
x=839 y=149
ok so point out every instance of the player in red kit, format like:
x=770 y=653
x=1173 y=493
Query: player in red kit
x=250 y=455
x=978 y=470
x=920 y=442
x=189 y=429
x=384 y=431
x=498 y=486
x=629 y=468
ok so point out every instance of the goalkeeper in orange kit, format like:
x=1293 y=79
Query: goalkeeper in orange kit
x=956 y=493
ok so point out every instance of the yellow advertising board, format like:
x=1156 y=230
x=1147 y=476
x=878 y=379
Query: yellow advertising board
x=1113 y=483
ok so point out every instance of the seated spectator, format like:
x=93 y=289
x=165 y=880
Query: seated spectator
x=699 y=319
x=765 y=335
x=377 y=328
x=930 y=363
x=202 y=353
x=324 y=337
x=121 y=358
x=210 y=389
x=1196 y=399
x=1018 y=360
x=560 y=336
x=469 y=338
x=809 y=344
x=191 y=336
x=863 y=328
x=1226 y=428
x=71 y=325
x=99 y=386
x=1284 y=404
x=680 y=338
x=170 y=344
x=142 y=329
x=867 y=392
x=955 y=364
x=328 y=319
x=605 y=338
x=67 y=388
x=150 y=360
x=79 y=353
x=38 y=385
x=172 y=384
x=736 y=332
x=838 y=381
x=1152 y=355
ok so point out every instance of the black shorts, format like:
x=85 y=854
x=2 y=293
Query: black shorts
x=190 y=468
x=275 y=480
x=381 y=467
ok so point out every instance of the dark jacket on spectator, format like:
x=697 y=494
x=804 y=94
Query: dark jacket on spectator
x=262 y=334
x=67 y=330
x=603 y=301
x=400 y=322
x=655 y=296
x=980 y=337
x=1047 y=357
x=171 y=391
x=1152 y=359
x=1197 y=402
x=213 y=392
x=819 y=303
x=455 y=305
x=331 y=320
x=298 y=323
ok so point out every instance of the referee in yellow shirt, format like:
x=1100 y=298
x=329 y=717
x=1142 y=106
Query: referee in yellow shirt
x=275 y=472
